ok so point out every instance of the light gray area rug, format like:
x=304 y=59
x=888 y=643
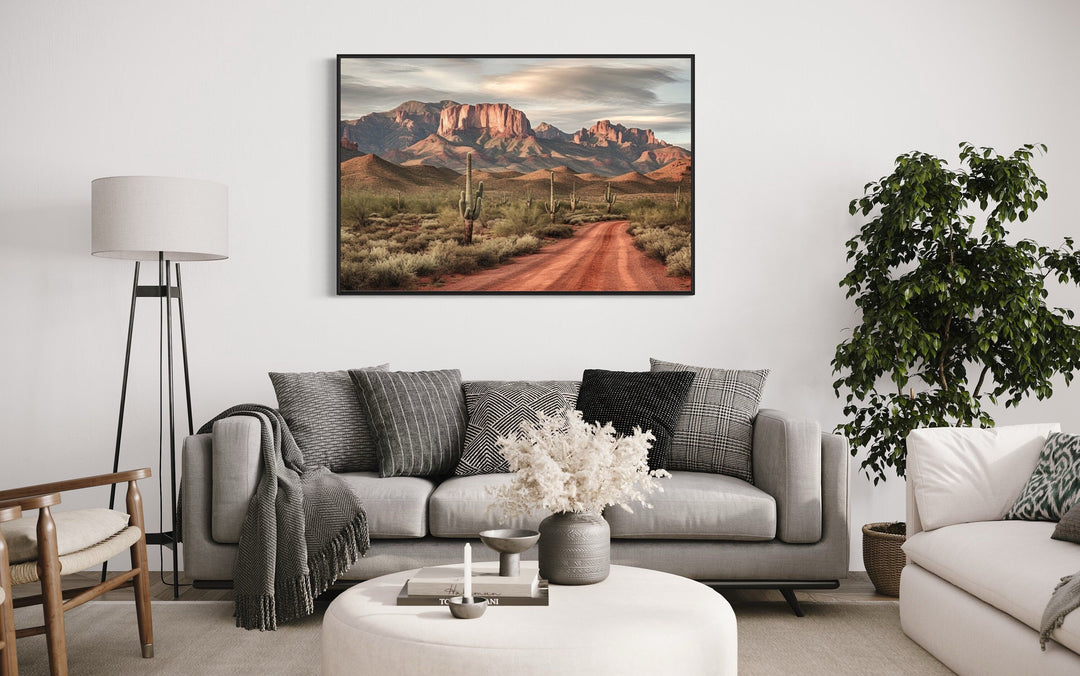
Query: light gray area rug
x=200 y=638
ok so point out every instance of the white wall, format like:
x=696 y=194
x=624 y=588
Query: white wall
x=798 y=105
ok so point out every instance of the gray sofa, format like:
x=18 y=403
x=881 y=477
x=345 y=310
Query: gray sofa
x=789 y=530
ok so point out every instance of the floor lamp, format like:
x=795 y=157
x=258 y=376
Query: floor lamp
x=168 y=220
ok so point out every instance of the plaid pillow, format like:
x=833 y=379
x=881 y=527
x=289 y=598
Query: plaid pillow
x=715 y=431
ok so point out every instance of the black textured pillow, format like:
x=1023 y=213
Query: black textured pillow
x=651 y=401
x=322 y=410
x=716 y=428
x=417 y=419
x=497 y=409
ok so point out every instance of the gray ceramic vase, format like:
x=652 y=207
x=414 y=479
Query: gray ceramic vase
x=575 y=548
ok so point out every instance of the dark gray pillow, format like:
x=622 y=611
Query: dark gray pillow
x=716 y=429
x=417 y=419
x=497 y=408
x=323 y=412
x=1068 y=528
x=629 y=399
x=1055 y=482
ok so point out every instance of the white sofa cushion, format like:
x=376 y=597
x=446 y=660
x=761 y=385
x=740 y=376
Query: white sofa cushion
x=1011 y=565
x=964 y=474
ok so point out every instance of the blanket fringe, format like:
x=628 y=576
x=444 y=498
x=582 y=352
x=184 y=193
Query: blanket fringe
x=295 y=598
x=1048 y=630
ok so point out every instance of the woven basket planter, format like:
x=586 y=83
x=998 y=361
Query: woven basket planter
x=882 y=555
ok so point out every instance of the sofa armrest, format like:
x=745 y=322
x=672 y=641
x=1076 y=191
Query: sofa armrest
x=236 y=463
x=787 y=465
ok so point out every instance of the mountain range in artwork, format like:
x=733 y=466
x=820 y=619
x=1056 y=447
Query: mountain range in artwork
x=505 y=144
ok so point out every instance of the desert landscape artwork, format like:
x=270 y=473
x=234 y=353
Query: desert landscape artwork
x=515 y=174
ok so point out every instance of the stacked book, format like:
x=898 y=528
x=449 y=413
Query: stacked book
x=437 y=584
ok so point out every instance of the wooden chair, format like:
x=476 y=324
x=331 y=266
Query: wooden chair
x=9 y=663
x=47 y=562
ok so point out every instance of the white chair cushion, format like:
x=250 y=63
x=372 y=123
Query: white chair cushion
x=75 y=529
x=963 y=474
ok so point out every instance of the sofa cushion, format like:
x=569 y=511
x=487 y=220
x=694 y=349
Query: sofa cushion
x=497 y=409
x=323 y=412
x=1011 y=565
x=629 y=399
x=459 y=507
x=963 y=474
x=1054 y=485
x=715 y=429
x=396 y=507
x=417 y=419
x=698 y=506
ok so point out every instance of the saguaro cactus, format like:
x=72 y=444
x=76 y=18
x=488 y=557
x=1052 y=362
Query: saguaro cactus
x=609 y=197
x=469 y=204
x=528 y=200
x=573 y=197
x=678 y=193
x=552 y=207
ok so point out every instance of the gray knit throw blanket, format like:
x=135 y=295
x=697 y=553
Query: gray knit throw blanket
x=1064 y=600
x=303 y=529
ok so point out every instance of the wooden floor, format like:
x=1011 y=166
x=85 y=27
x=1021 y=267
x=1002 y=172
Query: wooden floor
x=855 y=589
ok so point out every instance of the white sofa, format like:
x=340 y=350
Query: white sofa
x=973 y=593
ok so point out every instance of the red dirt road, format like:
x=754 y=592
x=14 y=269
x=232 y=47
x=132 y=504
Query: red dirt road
x=599 y=257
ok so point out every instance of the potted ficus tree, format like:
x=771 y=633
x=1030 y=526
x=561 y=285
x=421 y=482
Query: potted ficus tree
x=953 y=311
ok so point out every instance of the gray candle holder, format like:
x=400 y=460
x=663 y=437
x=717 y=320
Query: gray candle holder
x=509 y=542
x=467 y=608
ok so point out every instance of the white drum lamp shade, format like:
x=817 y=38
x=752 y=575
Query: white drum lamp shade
x=142 y=217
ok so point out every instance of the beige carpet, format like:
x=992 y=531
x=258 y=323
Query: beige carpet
x=199 y=638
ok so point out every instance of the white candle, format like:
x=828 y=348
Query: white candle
x=468 y=573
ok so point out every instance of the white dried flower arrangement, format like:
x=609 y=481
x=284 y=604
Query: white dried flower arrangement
x=563 y=464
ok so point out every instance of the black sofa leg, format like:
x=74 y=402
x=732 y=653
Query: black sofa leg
x=789 y=596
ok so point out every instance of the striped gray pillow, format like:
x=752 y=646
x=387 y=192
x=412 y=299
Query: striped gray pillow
x=417 y=419
x=716 y=428
x=324 y=415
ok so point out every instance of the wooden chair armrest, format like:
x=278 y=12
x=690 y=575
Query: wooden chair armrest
x=10 y=512
x=31 y=502
x=74 y=484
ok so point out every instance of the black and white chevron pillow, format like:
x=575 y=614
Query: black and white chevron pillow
x=497 y=409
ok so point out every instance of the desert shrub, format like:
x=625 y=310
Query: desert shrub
x=680 y=263
x=517 y=219
x=526 y=244
x=659 y=243
x=394 y=272
x=555 y=231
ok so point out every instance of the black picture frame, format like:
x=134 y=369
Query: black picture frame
x=403 y=169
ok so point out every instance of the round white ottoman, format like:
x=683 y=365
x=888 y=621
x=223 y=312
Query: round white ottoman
x=635 y=622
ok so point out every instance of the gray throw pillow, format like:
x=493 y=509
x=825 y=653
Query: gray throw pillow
x=1055 y=482
x=323 y=412
x=1068 y=528
x=417 y=419
x=716 y=429
x=497 y=409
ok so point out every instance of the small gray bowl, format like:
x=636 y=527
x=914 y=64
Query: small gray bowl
x=509 y=542
x=467 y=608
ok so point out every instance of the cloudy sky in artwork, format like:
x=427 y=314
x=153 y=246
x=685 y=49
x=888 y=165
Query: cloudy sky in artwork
x=569 y=93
